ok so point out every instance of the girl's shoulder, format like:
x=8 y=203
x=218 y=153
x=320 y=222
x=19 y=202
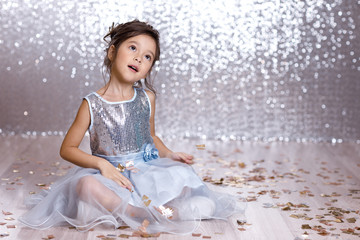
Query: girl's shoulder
x=150 y=94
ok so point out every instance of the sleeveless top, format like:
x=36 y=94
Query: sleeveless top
x=119 y=128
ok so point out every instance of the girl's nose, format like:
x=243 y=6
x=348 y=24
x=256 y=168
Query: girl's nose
x=137 y=59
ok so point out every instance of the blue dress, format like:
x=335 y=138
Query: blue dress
x=167 y=196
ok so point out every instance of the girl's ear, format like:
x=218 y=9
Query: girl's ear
x=111 y=52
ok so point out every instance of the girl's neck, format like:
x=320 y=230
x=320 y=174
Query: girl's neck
x=117 y=91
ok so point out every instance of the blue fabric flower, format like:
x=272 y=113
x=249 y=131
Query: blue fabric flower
x=150 y=152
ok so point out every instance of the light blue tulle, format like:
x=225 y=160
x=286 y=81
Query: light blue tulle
x=157 y=182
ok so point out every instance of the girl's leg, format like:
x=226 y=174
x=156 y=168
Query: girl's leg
x=90 y=189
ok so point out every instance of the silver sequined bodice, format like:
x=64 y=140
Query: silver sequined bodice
x=119 y=128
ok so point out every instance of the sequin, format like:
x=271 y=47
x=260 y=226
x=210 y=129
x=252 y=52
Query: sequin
x=166 y=212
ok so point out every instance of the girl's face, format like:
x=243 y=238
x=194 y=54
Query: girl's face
x=134 y=58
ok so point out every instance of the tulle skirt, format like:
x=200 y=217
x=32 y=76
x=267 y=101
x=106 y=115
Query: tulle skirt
x=167 y=196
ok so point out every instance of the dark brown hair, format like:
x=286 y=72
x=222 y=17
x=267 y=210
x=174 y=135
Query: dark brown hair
x=120 y=33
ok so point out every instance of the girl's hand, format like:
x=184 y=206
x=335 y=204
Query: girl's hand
x=109 y=171
x=181 y=157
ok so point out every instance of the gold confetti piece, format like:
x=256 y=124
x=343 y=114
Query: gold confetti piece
x=100 y=236
x=146 y=200
x=6 y=213
x=286 y=208
x=2 y=223
x=41 y=184
x=50 y=236
x=4 y=234
x=348 y=231
x=123 y=227
x=124 y=236
x=241 y=165
x=31 y=172
x=241 y=222
x=5 y=179
x=196 y=234
x=32 y=192
x=242 y=229
x=200 y=146
x=9 y=219
x=207 y=237
x=120 y=168
x=351 y=220
x=10 y=226
x=16 y=171
x=323 y=233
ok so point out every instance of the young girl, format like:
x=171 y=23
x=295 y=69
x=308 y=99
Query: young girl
x=131 y=178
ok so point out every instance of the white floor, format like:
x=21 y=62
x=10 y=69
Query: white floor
x=293 y=191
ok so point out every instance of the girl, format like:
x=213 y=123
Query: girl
x=131 y=178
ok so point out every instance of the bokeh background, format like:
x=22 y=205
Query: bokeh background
x=267 y=70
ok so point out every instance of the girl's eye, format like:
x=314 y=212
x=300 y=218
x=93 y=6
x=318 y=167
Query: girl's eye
x=148 y=57
x=132 y=48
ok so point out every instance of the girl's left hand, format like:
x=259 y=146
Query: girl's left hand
x=181 y=157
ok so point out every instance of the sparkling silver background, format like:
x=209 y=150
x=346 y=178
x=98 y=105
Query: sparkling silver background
x=252 y=70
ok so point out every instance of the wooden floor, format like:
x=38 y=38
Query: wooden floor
x=293 y=190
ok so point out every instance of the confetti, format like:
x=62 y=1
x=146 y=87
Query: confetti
x=120 y=168
x=146 y=200
x=351 y=220
x=196 y=234
x=241 y=222
x=241 y=165
x=166 y=212
x=124 y=236
x=123 y=227
x=6 y=213
x=10 y=226
x=200 y=146
x=348 y=231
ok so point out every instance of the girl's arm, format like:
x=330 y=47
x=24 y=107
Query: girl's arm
x=163 y=150
x=70 y=149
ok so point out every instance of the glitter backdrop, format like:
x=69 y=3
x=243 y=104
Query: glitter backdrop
x=251 y=70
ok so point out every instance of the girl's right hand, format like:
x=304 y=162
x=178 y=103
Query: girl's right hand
x=109 y=171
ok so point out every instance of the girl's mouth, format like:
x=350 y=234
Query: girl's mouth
x=134 y=68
